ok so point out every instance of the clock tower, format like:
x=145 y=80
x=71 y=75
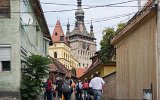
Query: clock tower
x=82 y=42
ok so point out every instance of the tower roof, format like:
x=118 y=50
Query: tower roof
x=58 y=34
x=80 y=28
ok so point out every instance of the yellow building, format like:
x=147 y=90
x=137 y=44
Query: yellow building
x=60 y=49
x=97 y=66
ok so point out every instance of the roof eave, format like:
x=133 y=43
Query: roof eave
x=133 y=23
x=41 y=19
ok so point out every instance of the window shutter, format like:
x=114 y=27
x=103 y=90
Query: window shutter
x=5 y=54
x=4 y=8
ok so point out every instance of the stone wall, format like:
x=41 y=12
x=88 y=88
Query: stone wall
x=110 y=87
x=9 y=95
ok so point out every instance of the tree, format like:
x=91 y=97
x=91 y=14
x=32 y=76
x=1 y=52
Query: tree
x=108 y=52
x=33 y=73
x=120 y=27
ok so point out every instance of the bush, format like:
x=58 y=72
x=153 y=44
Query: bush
x=35 y=69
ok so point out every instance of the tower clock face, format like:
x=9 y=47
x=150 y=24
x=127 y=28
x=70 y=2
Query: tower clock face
x=84 y=46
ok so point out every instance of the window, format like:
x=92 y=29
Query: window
x=83 y=65
x=45 y=46
x=5 y=57
x=37 y=34
x=55 y=55
x=87 y=46
x=4 y=8
x=61 y=38
x=79 y=64
x=56 y=34
x=6 y=66
x=66 y=56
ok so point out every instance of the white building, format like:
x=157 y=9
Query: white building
x=23 y=30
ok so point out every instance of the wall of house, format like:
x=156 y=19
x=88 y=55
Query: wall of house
x=109 y=92
x=108 y=70
x=10 y=35
x=136 y=67
x=22 y=40
x=32 y=40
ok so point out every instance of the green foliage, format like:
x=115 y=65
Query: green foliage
x=120 y=27
x=108 y=52
x=35 y=70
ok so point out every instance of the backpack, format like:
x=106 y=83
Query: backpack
x=86 y=85
x=59 y=85
x=46 y=85
x=78 y=88
x=66 y=86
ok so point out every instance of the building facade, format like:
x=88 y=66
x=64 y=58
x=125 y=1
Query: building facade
x=82 y=43
x=136 y=56
x=21 y=33
x=60 y=50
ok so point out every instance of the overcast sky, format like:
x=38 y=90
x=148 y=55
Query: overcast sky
x=104 y=16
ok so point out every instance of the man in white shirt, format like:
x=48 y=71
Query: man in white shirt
x=97 y=85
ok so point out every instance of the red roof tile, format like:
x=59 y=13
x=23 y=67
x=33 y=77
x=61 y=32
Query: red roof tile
x=57 y=33
x=80 y=72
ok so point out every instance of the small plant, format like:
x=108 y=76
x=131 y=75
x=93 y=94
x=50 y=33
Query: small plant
x=35 y=69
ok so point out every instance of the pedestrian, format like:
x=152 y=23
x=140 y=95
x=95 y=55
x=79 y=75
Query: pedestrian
x=73 y=85
x=67 y=87
x=59 y=84
x=44 y=90
x=85 y=88
x=97 y=84
x=49 y=89
x=79 y=90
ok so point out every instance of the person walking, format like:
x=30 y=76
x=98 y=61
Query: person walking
x=79 y=90
x=97 y=84
x=67 y=88
x=85 y=88
x=44 y=90
x=59 y=84
x=73 y=85
x=49 y=89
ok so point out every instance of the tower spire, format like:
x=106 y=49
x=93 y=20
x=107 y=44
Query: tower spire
x=79 y=12
x=91 y=27
x=79 y=2
x=68 y=26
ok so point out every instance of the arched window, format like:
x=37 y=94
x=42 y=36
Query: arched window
x=55 y=55
x=55 y=33
x=66 y=56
